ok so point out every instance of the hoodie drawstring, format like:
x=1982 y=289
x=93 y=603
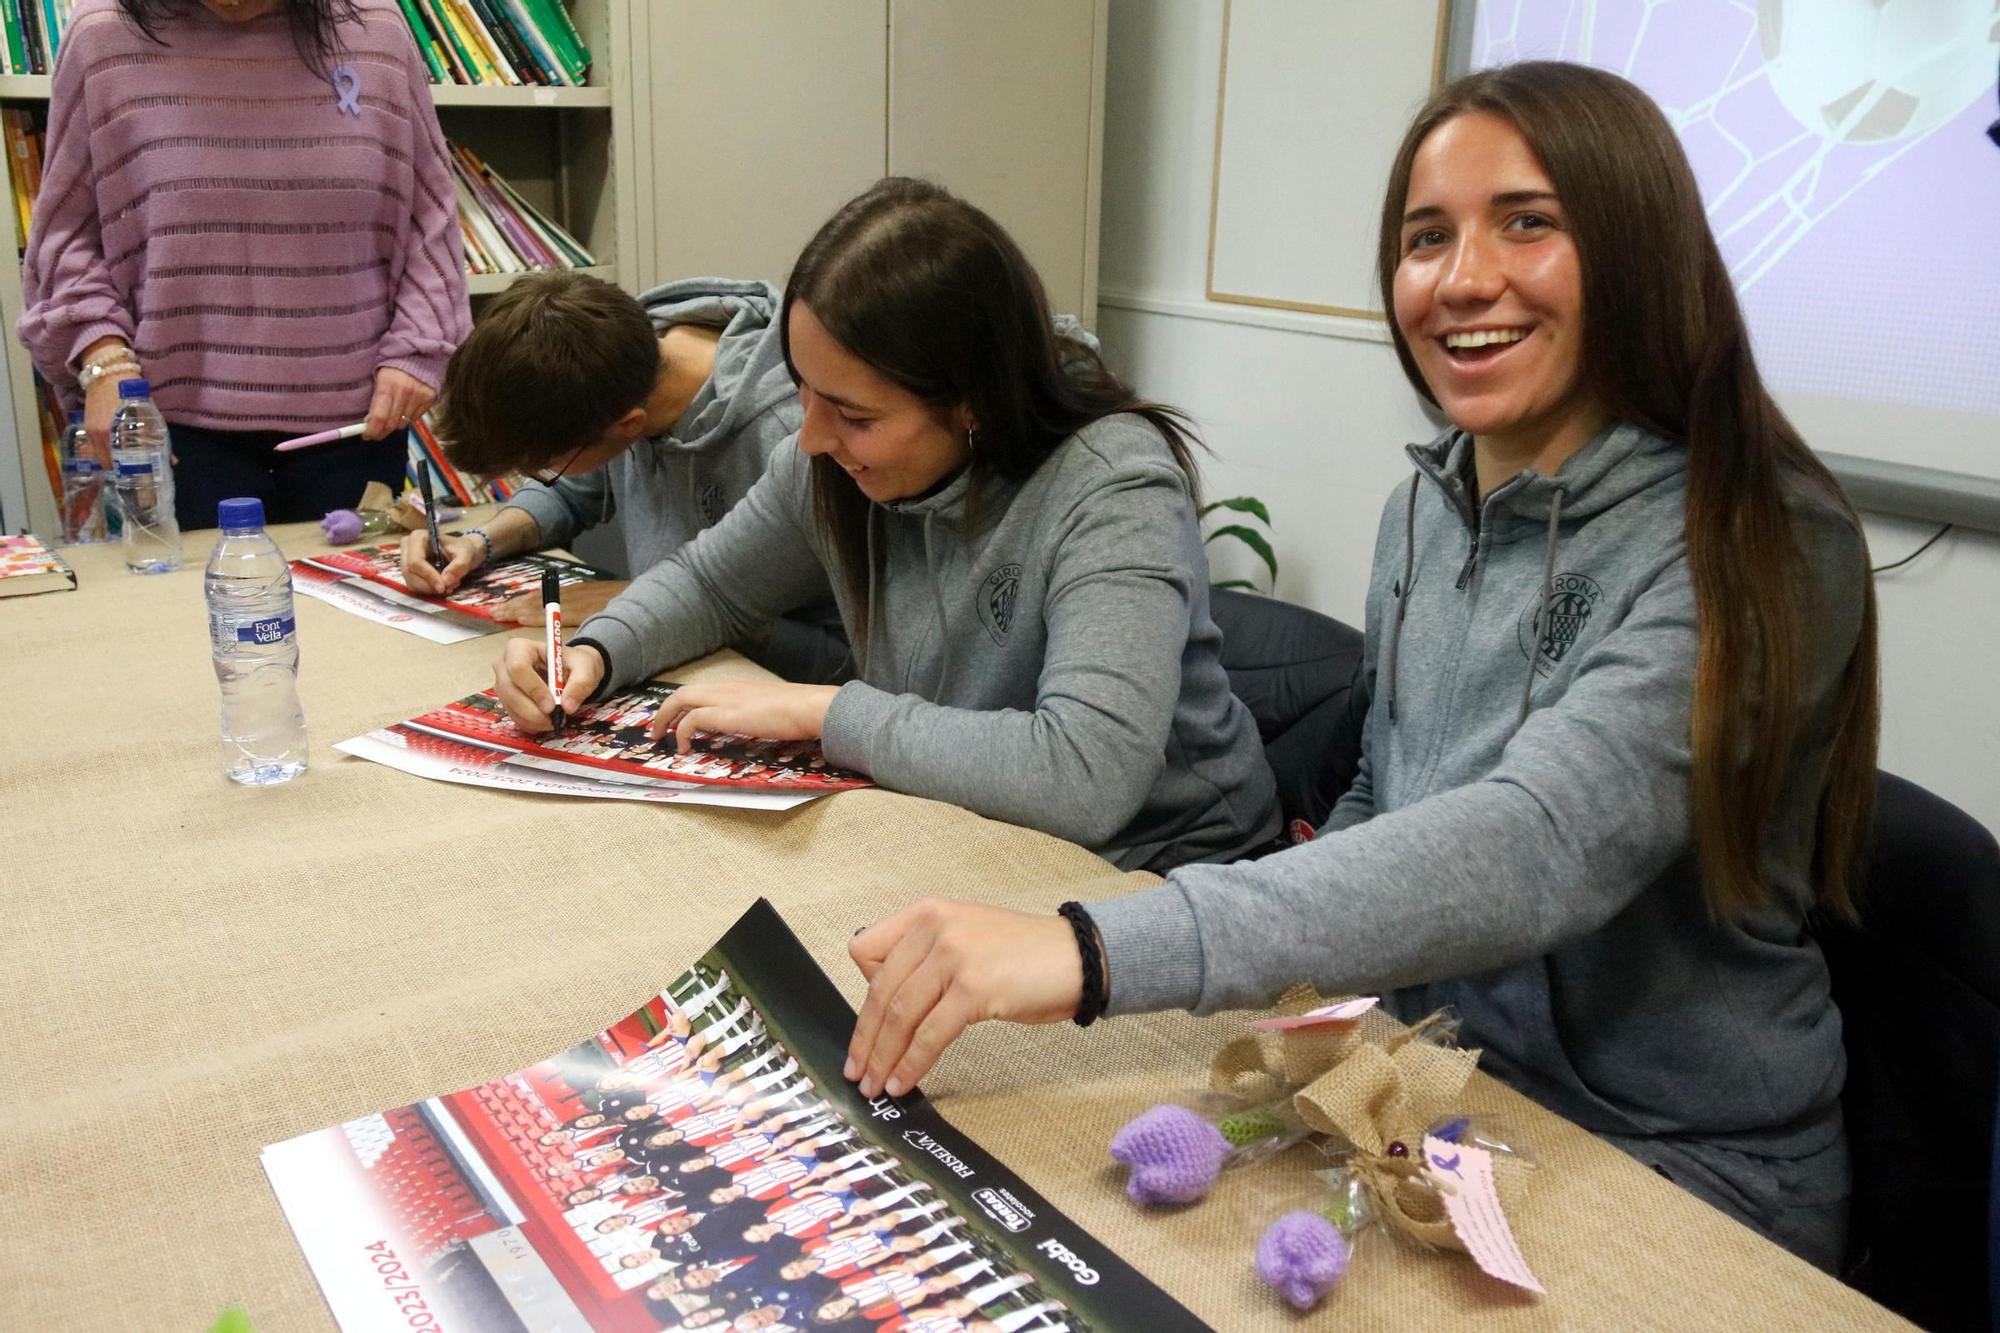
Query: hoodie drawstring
x=1403 y=596
x=1548 y=599
x=937 y=600
x=870 y=612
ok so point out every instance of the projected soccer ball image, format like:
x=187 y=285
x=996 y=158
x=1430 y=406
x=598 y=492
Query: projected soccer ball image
x=1865 y=71
x=1843 y=160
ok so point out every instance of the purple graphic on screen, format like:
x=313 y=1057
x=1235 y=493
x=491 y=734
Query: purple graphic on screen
x=1841 y=150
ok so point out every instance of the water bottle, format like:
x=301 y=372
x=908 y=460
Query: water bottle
x=256 y=645
x=82 y=501
x=142 y=460
x=75 y=440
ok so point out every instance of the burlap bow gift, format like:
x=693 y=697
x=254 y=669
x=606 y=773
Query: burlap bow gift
x=1379 y=1096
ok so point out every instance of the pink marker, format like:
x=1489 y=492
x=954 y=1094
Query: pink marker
x=324 y=437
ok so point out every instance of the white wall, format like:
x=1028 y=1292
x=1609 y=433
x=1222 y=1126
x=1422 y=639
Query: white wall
x=1310 y=412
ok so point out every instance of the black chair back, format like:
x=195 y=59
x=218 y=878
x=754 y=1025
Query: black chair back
x=1918 y=984
x=1299 y=672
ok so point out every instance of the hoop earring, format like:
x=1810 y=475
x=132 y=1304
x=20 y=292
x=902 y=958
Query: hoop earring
x=972 y=440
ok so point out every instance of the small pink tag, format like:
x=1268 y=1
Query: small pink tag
x=1347 y=1011
x=1464 y=1176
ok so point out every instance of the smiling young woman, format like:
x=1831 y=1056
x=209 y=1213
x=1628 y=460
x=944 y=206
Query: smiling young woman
x=1623 y=714
x=1011 y=537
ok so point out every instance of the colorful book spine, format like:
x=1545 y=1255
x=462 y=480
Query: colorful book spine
x=31 y=36
x=516 y=15
x=17 y=51
x=498 y=42
x=503 y=232
x=461 y=59
x=553 y=19
x=514 y=55
x=477 y=42
x=426 y=47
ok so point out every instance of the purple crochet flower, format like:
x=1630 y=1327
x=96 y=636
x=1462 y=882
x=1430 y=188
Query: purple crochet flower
x=1303 y=1256
x=341 y=526
x=1174 y=1155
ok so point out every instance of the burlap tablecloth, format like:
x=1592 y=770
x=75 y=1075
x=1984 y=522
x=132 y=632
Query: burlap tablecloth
x=190 y=971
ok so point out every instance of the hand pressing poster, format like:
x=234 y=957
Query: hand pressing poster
x=367 y=581
x=699 y=1164
x=603 y=751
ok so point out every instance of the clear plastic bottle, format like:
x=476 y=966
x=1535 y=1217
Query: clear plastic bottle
x=75 y=441
x=256 y=644
x=142 y=461
x=82 y=501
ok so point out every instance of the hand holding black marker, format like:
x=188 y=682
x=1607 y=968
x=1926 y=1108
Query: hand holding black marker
x=552 y=642
x=430 y=516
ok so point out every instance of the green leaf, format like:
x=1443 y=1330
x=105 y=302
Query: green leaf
x=1253 y=539
x=1242 y=504
x=1235 y=583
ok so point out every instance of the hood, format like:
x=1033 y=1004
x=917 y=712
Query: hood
x=749 y=376
x=1618 y=463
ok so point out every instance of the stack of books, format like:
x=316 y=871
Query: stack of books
x=30 y=32
x=446 y=480
x=504 y=233
x=508 y=43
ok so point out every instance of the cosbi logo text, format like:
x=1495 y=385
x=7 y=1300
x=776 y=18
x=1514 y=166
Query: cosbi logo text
x=1062 y=1254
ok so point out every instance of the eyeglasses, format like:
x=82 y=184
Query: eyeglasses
x=548 y=477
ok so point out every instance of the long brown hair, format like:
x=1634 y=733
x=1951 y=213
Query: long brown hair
x=938 y=299
x=1666 y=348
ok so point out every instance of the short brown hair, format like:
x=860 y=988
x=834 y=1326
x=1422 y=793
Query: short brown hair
x=550 y=364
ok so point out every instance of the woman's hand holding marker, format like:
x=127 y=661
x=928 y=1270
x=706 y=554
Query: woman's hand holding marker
x=520 y=682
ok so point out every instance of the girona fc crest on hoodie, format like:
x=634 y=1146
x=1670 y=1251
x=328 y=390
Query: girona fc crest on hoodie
x=1571 y=598
x=996 y=600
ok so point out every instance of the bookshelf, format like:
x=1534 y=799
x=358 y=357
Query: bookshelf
x=661 y=168
x=569 y=151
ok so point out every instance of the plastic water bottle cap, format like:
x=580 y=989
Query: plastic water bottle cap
x=134 y=389
x=243 y=514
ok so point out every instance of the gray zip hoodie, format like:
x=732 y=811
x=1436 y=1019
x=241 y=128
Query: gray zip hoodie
x=1052 y=664
x=670 y=487
x=1518 y=844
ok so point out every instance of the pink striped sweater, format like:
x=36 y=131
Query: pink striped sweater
x=264 y=249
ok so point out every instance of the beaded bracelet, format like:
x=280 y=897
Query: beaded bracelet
x=1095 y=992
x=486 y=542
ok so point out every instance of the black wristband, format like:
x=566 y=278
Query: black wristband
x=1095 y=994
x=604 y=682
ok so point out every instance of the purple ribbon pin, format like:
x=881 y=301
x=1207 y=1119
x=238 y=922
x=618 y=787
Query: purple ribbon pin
x=348 y=85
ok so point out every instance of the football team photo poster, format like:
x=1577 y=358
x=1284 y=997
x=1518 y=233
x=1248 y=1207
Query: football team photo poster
x=699 y=1164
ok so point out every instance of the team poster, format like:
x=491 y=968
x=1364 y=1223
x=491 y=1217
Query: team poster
x=367 y=581
x=701 y=1164
x=603 y=751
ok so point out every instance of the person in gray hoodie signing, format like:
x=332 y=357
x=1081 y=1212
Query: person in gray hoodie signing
x=1012 y=539
x=662 y=410
x=1621 y=738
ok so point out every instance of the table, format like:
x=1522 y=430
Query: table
x=192 y=970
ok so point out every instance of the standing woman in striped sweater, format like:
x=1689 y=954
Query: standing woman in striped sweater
x=248 y=203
